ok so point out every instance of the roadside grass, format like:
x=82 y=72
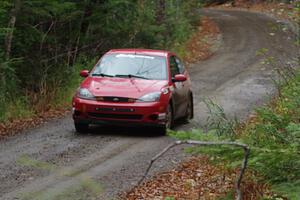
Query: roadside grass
x=18 y=109
x=58 y=97
x=64 y=94
x=273 y=135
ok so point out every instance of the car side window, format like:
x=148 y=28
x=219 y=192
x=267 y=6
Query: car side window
x=180 y=66
x=173 y=66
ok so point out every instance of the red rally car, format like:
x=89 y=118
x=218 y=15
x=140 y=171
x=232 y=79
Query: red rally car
x=134 y=87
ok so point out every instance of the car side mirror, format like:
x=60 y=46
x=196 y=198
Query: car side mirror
x=179 y=78
x=84 y=73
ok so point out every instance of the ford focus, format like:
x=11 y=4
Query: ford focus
x=134 y=87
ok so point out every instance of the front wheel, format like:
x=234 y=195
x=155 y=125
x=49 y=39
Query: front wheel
x=169 y=117
x=169 y=121
x=81 y=127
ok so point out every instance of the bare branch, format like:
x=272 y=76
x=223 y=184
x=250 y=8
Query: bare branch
x=86 y=47
x=202 y=143
x=45 y=35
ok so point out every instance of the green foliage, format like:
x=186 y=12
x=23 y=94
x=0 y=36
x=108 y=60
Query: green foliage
x=218 y=120
x=18 y=109
x=228 y=196
x=169 y=198
x=65 y=93
x=51 y=38
x=297 y=10
x=195 y=134
x=290 y=188
x=273 y=137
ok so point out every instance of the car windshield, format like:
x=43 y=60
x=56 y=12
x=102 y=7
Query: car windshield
x=132 y=66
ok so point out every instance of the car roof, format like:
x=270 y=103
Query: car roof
x=152 y=52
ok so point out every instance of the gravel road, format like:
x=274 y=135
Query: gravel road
x=53 y=162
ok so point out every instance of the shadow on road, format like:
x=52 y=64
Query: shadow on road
x=120 y=131
x=125 y=131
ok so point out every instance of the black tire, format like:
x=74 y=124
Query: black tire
x=189 y=110
x=81 y=127
x=162 y=130
x=170 y=117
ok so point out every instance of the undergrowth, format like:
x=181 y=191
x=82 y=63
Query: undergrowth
x=273 y=136
x=21 y=107
x=64 y=94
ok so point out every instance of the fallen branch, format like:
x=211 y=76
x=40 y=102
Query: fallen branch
x=193 y=142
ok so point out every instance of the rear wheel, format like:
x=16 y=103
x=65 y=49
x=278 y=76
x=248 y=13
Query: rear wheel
x=81 y=127
x=189 y=109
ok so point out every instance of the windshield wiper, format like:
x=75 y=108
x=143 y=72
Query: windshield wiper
x=103 y=75
x=130 y=76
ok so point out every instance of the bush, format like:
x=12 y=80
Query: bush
x=273 y=137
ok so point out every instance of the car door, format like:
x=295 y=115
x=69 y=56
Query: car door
x=179 y=92
x=186 y=86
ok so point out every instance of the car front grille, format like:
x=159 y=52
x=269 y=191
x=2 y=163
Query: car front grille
x=108 y=109
x=116 y=116
x=116 y=99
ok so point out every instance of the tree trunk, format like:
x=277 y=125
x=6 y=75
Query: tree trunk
x=11 y=25
x=80 y=30
x=160 y=11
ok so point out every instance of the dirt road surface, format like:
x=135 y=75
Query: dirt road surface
x=53 y=162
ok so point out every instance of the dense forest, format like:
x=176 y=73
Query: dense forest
x=44 y=43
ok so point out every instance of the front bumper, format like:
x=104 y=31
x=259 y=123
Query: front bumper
x=128 y=114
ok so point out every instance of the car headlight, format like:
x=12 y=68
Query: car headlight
x=151 y=97
x=85 y=94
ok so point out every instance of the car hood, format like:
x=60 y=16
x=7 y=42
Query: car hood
x=122 y=87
